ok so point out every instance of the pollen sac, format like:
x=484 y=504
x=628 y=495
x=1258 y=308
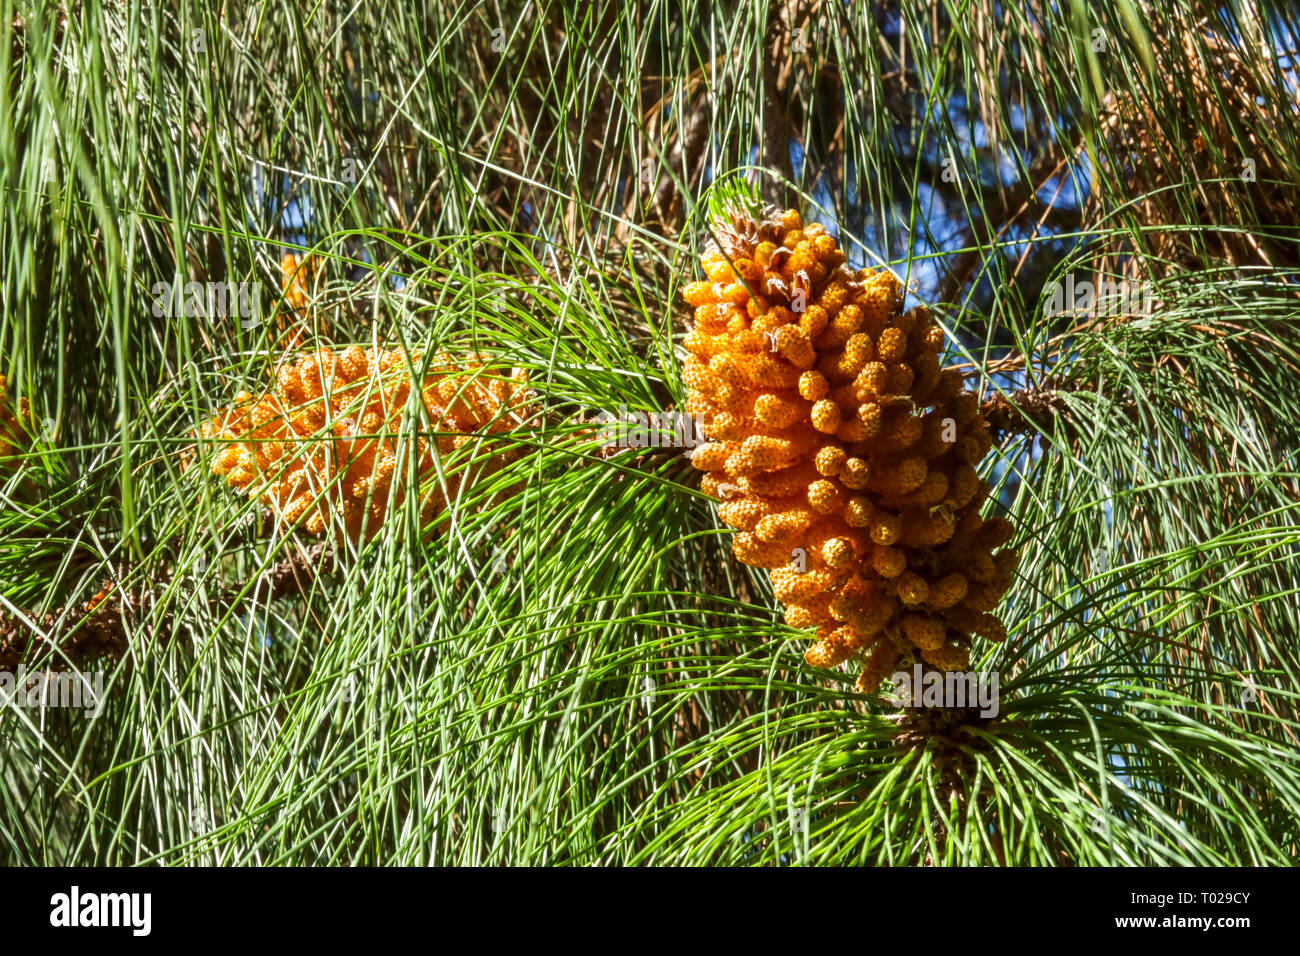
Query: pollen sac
x=826 y=416
x=830 y=459
x=813 y=386
x=776 y=412
x=322 y=446
x=850 y=455
x=795 y=347
x=824 y=496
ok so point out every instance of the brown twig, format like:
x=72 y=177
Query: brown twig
x=75 y=635
x=1023 y=411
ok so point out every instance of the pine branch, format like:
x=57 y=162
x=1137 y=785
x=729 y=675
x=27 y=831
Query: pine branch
x=75 y=635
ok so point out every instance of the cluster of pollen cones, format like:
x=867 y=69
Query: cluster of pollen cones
x=841 y=451
x=325 y=446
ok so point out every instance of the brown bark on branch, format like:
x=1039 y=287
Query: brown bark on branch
x=76 y=635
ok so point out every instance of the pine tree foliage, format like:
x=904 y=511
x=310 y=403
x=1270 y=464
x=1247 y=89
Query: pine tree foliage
x=574 y=668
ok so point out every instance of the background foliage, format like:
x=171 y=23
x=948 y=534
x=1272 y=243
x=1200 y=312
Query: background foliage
x=581 y=673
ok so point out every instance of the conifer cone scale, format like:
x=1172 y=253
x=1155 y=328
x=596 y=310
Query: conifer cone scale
x=843 y=453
